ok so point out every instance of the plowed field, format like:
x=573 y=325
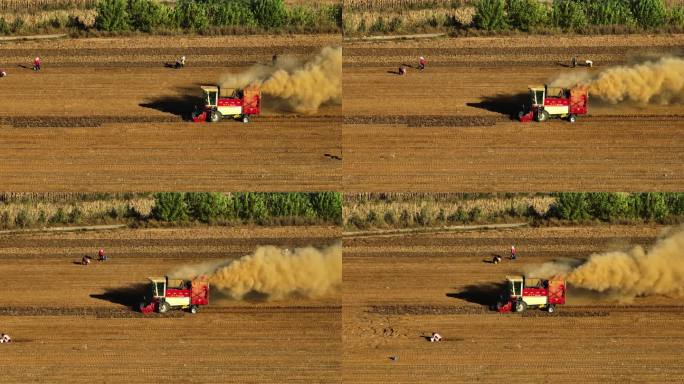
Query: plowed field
x=399 y=289
x=72 y=323
x=107 y=115
x=450 y=128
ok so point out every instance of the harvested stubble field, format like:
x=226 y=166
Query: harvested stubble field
x=70 y=323
x=450 y=127
x=399 y=289
x=107 y=115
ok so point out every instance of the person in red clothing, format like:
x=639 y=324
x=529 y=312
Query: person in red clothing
x=421 y=63
x=36 y=64
x=514 y=255
x=101 y=255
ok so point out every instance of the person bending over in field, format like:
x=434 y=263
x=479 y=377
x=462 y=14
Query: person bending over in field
x=435 y=337
x=101 y=255
x=180 y=63
x=402 y=70
x=5 y=338
x=421 y=63
x=85 y=260
x=3 y=73
x=36 y=64
x=514 y=254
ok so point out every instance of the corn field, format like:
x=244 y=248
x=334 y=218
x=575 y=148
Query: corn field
x=32 y=5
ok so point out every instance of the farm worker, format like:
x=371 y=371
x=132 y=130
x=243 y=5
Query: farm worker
x=574 y=61
x=3 y=73
x=513 y=253
x=5 y=338
x=421 y=63
x=85 y=260
x=36 y=64
x=589 y=63
x=402 y=70
x=180 y=63
x=101 y=255
x=435 y=337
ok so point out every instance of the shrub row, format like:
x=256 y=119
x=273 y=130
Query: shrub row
x=576 y=15
x=248 y=207
x=198 y=15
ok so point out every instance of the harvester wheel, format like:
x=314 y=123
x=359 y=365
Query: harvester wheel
x=215 y=116
x=520 y=306
x=542 y=116
x=193 y=309
x=245 y=119
x=572 y=118
x=163 y=307
x=551 y=308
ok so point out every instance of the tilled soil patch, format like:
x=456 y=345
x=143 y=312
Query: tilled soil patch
x=426 y=121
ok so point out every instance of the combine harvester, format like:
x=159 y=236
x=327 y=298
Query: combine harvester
x=547 y=102
x=164 y=294
x=523 y=292
x=219 y=102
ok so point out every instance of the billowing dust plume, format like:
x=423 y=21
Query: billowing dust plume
x=305 y=85
x=275 y=273
x=657 y=81
x=625 y=275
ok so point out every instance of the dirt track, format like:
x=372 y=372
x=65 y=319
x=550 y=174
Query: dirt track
x=106 y=115
x=93 y=337
x=449 y=128
x=400 y=289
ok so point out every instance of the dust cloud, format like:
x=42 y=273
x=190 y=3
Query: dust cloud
x=304 y=84
x=274 y=273
x=624 y=275
x=659 y=81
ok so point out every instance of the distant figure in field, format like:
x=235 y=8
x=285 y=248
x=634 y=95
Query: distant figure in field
x=421 y=63
x=36 y=64
x=402 y=70
x=85 y=260
x=5 y=338
x=589 y=63
x=180 y=63
x=573 y=62
x=514 y=254
x=3 y=73
x=435 y=337
x=101 y=255
x=496 y=259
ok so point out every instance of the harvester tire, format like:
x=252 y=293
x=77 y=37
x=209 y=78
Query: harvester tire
x=551 y=308
x=572 y=118
x=520 y=306
x=542 y=116
x=193 y=309
x=163 y=307
x=215 y=116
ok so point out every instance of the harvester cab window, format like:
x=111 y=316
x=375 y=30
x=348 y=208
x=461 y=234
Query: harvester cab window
x=159 y=288
x=212 y=98
x=516 y=287
x=538 y=96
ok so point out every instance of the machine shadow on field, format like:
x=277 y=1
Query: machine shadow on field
x=509 y=105
x=482 y=294
x=181 y=106
x=128 y=296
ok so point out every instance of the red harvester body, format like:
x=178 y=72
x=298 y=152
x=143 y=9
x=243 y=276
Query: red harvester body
x=547 y=102
x=522 y=293
x=164 y=294
x=221 y=102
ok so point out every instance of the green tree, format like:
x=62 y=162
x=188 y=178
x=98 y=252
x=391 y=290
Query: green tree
x=652 y=205
x=206 y=206
x=112 y=15
x=170 y=206
x=608 y=206
x=490 y=14
x=144 y=15
x=290 y=205
x=269 y=13
x=527 y=14
x=250 y=206
x=191 y=15
x=570 y=206
x=569 y=15
x=675 y=16
x=649 y=13
x=231 y=13
x=328 y=205
x=610 y=12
